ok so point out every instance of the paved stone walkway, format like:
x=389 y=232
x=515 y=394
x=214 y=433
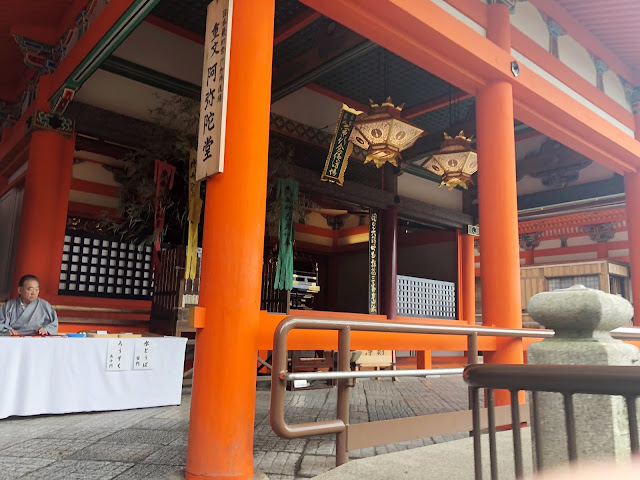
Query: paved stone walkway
x=151 y=443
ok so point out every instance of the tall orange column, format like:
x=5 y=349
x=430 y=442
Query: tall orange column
x=468 y=279
x=497 y=197
x=44 y=209
x=632 y=196
x=224 y=384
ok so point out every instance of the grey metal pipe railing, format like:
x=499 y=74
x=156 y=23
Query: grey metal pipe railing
x=434 y=372
x=280 y=376
x=567 y=380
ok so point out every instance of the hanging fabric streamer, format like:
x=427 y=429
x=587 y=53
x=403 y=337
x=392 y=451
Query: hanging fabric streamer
x=195 y=209
x=288 y=195
x=340 y=149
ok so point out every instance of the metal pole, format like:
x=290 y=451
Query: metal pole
x=344 y=357
x=472 y=349
x=472 y=357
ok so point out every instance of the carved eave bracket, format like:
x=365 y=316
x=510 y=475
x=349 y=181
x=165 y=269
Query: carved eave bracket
x=601 y=232
x=530 y=241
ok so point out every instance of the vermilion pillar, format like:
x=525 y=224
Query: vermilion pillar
x=528 y=256
x=602 y=248
x=224 y=384
x=468 y=279
x=44 y=210
x=497 y=197
x=632 y=195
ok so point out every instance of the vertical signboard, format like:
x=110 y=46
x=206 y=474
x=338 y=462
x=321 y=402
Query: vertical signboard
x=215 y=80
x=373 y=261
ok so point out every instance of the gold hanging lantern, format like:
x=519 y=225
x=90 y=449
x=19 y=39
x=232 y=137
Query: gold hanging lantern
x=455 y=162
x=383 y=133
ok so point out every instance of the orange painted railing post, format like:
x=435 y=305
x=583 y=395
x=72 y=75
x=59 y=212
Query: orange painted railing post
x=468 y=279
x=498 y=208
x=632 y=196
x=44 y=210
x=223 y=396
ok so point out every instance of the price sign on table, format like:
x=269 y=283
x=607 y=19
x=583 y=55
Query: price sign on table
x=143 y=354
x=118 y=355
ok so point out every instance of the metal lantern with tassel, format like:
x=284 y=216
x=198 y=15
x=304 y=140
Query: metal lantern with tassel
x=383 y=133
x=455 y=162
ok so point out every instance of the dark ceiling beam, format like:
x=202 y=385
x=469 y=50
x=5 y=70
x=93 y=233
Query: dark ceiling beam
x=586 y=191
x=527 y=133
x=335 y=45
x=175 y=29
x=294 y=25
x=358 y=194
x=433 y=105
x=150 y=77
x=104 y=125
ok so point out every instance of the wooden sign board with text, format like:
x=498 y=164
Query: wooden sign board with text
x=375 y=358
x=215 y=82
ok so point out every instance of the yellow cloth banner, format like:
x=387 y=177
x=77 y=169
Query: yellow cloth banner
x=195 y=208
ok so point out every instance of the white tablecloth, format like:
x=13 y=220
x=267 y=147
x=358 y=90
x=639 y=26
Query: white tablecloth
x=63 y=375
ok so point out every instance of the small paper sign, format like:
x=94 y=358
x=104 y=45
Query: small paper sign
x=118 y=355
x=143 y=355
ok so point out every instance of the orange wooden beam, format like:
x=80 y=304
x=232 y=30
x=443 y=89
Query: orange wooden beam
x=573 y=220
x=94 y=187
x=98 y=29
x=314 y=87
x=294 y=25
x=428 y=36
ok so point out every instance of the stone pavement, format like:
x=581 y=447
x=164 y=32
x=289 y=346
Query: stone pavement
x=151 y=443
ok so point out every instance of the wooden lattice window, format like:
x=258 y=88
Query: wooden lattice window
x=100 y=266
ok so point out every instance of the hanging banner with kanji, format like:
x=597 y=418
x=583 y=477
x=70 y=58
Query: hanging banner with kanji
x=213 y=97
x=163 y=177
x=288 y=195
x=373 y=261
x=195 y=208
x=340 y=148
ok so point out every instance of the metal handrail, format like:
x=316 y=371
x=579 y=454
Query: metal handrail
x=280 y=376
x=567 y=380
x=591 y=379
x=434 y=372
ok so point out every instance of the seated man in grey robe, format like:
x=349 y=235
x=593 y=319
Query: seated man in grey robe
x=28 y=314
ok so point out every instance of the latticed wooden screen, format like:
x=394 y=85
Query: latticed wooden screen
x=99 y=266
x=421 y=297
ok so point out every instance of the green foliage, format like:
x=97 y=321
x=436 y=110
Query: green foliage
x=172 y=136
